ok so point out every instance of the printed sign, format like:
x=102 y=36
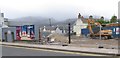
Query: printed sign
x=9 y=32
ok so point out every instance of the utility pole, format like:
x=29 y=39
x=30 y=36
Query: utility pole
x=69 y=36
x=100 y=31
x=40 y=36
x=50 y=22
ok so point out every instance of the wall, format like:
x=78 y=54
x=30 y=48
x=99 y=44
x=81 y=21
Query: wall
x=9 y=36
x=36 y=32
x=77 y=28
x=58 y=31
x=119 y=10
x=24 y=28
x=1 y=21
x=0 y=33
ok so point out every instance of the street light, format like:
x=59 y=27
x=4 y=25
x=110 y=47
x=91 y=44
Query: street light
x=69 y=33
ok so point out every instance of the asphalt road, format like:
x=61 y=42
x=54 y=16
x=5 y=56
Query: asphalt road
x=21 y=51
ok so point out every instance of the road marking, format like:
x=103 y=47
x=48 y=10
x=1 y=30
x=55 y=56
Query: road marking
x=66 y=52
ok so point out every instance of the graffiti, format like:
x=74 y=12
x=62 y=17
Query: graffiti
x=18 y=30
x=26 y=31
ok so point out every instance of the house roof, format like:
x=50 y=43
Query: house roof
x=54 y=28
x=48 y=28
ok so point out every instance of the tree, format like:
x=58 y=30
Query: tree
x=102 y=18
x=90 y=17
x=113 y=19
x=102 y=21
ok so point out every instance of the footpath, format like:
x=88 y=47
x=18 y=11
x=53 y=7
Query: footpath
x=69 y=48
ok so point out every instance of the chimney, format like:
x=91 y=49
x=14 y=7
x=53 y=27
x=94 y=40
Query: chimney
x=2 y=14
x=79 y=16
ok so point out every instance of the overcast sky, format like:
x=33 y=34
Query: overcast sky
x=58 y=9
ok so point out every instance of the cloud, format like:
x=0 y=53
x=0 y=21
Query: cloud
x=58 y=9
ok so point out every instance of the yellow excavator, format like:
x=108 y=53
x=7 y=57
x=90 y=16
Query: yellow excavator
x=104 y=34
x=112 y=24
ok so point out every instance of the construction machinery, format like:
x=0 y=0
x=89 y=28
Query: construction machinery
x=112 y=24
x=98 y=32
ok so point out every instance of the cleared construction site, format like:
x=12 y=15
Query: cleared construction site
x=84 y=32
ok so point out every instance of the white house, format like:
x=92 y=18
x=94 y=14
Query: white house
x=53 y=29
x=79 y=24
x=6 y=33
x=3 y=21
x=58 y=30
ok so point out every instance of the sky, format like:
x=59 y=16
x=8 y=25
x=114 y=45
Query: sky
x=58 y=9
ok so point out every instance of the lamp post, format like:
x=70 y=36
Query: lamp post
x=69 y=33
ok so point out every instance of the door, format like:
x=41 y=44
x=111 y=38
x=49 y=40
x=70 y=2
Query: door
x=5 y=34
x=12 y=36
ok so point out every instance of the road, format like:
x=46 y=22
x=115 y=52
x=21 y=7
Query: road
x=22 y=51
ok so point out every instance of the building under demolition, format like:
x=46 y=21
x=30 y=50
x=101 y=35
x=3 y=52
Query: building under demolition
x=24 y=31
x=6 y=33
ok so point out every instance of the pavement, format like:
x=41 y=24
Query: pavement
x=66 y=48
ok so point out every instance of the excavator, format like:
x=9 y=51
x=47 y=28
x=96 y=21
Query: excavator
x=97 y=33
x=113 y=24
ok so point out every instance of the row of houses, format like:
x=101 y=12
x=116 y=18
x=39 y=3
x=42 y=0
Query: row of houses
x=76 y=27
x=79 y=27
x=9 y=31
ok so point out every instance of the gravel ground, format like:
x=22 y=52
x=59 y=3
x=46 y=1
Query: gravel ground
x=83 y=42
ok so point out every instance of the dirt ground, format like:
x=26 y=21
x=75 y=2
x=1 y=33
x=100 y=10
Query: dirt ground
x=87 y=42
x=84 y=42
x=95 y=43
